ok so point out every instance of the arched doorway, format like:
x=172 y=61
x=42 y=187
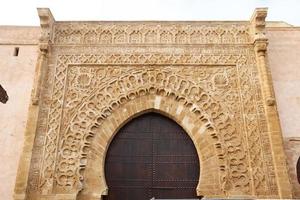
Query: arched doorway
x=151 y=156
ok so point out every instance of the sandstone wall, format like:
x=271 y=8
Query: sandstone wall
x=16 y=76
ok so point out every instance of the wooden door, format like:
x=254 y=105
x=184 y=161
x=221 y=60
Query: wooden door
x=151 y=156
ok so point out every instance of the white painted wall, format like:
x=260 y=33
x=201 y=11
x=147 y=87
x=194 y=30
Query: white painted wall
x=16 y=77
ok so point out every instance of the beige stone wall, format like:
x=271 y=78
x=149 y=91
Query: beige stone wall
x=284 y=59
x=16 y=76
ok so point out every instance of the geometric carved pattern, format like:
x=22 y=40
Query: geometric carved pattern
x=87 y=88
x=164 y=82
x=150 y=33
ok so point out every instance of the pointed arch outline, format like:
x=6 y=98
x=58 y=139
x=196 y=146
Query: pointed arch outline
x=112 y=124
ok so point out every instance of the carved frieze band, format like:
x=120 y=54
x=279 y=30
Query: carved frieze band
x=151 y=33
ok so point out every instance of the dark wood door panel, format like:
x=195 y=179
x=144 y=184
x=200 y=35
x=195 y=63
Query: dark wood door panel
x=151 y=156
x=166 y=171
x=134 y=147
x=175 y=193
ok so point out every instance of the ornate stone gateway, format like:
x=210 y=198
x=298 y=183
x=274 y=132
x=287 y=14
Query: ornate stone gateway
x=212 y=78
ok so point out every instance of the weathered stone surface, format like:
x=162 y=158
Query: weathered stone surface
x=90 y=88
x=212 y=78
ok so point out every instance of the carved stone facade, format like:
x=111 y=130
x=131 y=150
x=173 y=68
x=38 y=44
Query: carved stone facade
x=212 y=78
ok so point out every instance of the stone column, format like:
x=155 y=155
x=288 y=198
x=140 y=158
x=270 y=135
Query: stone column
x=39 y=73
x=274 y=129
x=260 y=46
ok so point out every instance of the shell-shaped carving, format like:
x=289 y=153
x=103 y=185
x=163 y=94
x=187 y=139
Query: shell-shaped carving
x=220 y=80
x=83 y=80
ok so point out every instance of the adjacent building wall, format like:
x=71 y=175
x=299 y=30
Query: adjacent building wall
x=292 y=148
x=16 y=76
x=284 y=59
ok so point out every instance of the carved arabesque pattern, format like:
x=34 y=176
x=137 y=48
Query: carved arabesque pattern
x=141 y=82
x=53 y=128
x=70 y=175
x=252 y=131
x=150 y=33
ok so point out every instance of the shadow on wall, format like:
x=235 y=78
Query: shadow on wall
x=3 y=95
